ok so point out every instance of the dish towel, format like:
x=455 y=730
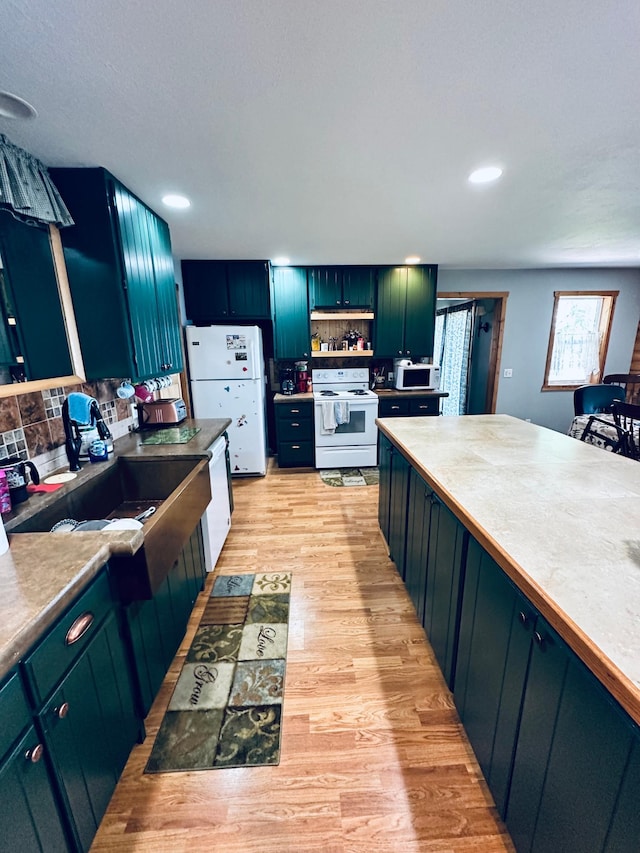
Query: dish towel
x=80 y=408
x=328 y=425
x=341 y=412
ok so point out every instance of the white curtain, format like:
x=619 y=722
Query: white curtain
x=26 y=190
x=452 y=348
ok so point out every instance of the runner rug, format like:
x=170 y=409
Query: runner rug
x=226 y=707
x=350 y=476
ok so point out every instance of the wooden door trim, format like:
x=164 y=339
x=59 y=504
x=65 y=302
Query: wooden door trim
x=496 y=340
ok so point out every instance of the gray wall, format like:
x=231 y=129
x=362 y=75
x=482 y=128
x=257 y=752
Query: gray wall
x=527 y=327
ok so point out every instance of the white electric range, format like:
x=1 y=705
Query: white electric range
x=345 y=412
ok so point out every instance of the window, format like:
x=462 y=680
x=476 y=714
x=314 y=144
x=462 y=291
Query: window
x=579 y=338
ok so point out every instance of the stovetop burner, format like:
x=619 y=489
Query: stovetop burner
x=329 y=394
x=358 y=391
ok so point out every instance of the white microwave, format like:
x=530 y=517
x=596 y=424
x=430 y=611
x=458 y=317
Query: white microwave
x=417 y=377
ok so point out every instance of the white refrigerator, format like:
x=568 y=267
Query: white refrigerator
x=226 y=366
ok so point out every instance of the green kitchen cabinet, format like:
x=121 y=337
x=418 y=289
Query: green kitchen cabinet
x=398 y=497
x=397 y=406
x=561 y=758
x=29 y=815
x=385 y=452
x=33 y=333
x=156 y=627
x=81 y=689
x=295 y=434
x=405 y=312
x=496 y=626
x=225 y=291
x=341 y=287
x=290 y=312
x=445 y=573
x=120 y=269
x=417 y=549
x=571 y=754
x=392 y=500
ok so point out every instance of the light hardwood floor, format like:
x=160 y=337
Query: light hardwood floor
x=373 y=755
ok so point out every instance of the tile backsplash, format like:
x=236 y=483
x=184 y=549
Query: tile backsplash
x=31 y=424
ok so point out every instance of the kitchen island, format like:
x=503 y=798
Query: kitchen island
x=529 y=566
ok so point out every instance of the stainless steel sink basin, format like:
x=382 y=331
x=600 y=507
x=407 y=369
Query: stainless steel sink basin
x=178 y=488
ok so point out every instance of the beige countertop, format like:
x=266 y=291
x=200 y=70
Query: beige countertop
x=43 y=573
x=560 y=516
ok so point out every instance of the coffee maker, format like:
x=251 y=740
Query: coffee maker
x=287 y=382
x=302 y=377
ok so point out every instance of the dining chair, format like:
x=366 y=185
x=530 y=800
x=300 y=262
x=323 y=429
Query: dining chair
x=627 y=420
x=629 y=381
x=595 y=399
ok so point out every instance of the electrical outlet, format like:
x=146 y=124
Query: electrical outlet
x=507 y=373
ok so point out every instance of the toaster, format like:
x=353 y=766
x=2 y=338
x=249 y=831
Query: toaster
x=162 y=412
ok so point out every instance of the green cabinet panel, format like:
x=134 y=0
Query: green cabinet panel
x=493 y=654
x=90 y=725
x=225 y=291
x=294 y=431
x=447 y=549
x=405 y=312
x=397 y=407
x=417 y=550
x=32 y=299
x=385 y=449
x=624 y=831
x=155 y=627
x=29 y=817
x=398 y=497
x=169 y=331
x=120 y=268
x=290 y=309
x=342 y=287
x=572 y=750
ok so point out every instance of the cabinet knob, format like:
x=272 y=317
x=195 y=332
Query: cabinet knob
x=294 y=424
x=539 y=639
x=393 y=408
x=61 y=711
x=295 y=447
x=423 y=407
x=79 y=628
x=35 y=753
x=347 y=302
x=523 y=618
x=295 y=411
x=408 y=352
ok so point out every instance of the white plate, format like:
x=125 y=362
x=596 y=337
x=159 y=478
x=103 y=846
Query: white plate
x=123 y=524
x=60 y=478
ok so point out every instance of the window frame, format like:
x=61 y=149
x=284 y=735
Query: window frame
x=606 y=319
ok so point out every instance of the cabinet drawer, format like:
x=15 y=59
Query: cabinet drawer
x=393 y=408
x=424 y=406
x=293 y=411
x=14 y=712
x=295 y=430
x=295 y=454
x=53 y=656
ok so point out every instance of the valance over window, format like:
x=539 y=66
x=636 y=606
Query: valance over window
x=26 y=190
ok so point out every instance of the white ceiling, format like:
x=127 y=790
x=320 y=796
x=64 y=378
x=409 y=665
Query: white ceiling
x=343 y=131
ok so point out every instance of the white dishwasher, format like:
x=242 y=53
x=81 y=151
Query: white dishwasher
x=216 y=520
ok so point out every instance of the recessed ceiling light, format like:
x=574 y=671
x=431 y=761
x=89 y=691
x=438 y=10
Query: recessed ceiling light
x=412 y=259
x=280 y=262
x=177 y=201
x=11 y=106
x=485 y=175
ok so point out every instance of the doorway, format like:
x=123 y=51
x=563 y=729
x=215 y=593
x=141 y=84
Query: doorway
x=469 y=332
